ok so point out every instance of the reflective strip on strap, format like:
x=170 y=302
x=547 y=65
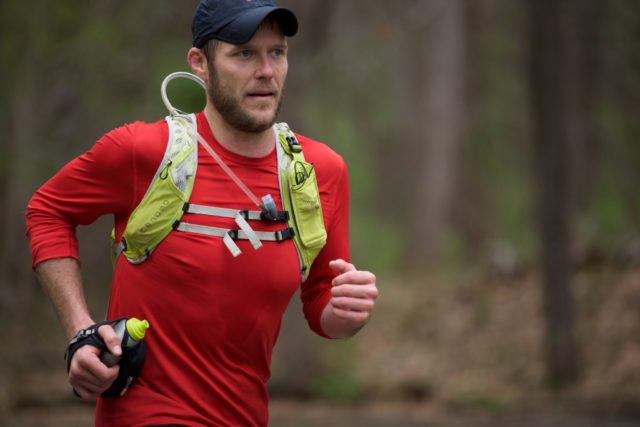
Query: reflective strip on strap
x=229 y=236
x=251 y=235
x=231 y=245
x=265 y=236
x=222 y=212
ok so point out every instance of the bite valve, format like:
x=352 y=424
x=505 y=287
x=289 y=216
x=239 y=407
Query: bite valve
x=268 y=206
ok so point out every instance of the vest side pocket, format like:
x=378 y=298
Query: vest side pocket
x=306 y=204
x=153 y=217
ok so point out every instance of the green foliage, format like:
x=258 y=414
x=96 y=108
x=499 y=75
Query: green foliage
x=186 y=95
x=608 y=213
x=614 y=207
x=612 y=212
x=455 y=249
x=376 y=243
x=337 y=381
x=499 y=153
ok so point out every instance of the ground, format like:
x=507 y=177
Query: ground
x=438 y=352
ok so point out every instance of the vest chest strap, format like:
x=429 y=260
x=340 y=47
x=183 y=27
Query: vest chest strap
x=231 y=213
x=231 y=235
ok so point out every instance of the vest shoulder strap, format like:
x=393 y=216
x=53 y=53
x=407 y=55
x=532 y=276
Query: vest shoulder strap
x=162 y=205
x=300 y=196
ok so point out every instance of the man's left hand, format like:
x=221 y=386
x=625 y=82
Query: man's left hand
x=354 y=294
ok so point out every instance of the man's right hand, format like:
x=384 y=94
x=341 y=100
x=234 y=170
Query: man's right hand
x=87 y=374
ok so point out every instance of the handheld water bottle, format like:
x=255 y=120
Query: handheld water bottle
x=130 y=331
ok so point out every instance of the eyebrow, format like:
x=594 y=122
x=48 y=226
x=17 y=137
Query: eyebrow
x=270 y=47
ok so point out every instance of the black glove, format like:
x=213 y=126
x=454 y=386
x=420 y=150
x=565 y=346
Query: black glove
x=130 y=363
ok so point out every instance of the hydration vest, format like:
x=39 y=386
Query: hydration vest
x=167 y=199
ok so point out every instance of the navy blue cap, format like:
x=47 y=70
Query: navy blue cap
x=236 y=21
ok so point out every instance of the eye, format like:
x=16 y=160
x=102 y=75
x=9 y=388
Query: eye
x=278 y=52
x=244 y=53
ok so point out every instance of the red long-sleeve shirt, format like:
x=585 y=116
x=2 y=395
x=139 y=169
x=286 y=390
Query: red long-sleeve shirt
x=214 y=318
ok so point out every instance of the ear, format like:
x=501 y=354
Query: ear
x=198 y=63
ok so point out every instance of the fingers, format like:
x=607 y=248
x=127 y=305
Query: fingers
x=354 y=292
x=110 y=339
x=353 y=304
x=354 y=277
x=88 y=375
x=341 y=266
x=356 y=318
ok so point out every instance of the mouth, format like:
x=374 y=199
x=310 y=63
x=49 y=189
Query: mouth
x=262 y=94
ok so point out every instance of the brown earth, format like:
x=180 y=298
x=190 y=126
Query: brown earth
x=462 y=351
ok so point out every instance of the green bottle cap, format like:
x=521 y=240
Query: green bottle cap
x=137 y=328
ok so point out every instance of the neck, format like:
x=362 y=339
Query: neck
x=244 y=143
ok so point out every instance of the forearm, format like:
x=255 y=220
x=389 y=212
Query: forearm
x=62 y=281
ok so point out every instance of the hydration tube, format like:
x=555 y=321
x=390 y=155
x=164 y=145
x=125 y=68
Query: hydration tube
x=267 y=205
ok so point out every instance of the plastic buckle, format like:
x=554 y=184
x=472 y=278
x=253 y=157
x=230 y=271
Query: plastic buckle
x=266 y=216
x=294 y=145
x=281 y=216
x=244 y=213
x=284 y=234
x=233 y=233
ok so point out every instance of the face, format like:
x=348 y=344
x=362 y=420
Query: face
x=246 y=82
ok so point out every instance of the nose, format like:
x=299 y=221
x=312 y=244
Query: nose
x=265 y=69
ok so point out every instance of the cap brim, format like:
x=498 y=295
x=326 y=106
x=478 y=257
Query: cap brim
x=242 y=29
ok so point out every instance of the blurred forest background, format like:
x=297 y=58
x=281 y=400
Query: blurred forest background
x=494 y=157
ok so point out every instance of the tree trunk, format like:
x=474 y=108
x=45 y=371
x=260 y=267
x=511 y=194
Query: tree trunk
x=584 y=97
x=551 y=161
x=430 y=85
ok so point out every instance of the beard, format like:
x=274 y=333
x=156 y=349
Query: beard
x=229 y=107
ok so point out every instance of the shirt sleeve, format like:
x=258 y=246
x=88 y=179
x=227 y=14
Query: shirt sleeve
x=333 y=184
x=101 y=181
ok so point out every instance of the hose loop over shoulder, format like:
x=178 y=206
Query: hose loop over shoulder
x=163 y=89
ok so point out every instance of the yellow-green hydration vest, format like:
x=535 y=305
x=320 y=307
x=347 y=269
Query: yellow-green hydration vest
x=167 y=199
